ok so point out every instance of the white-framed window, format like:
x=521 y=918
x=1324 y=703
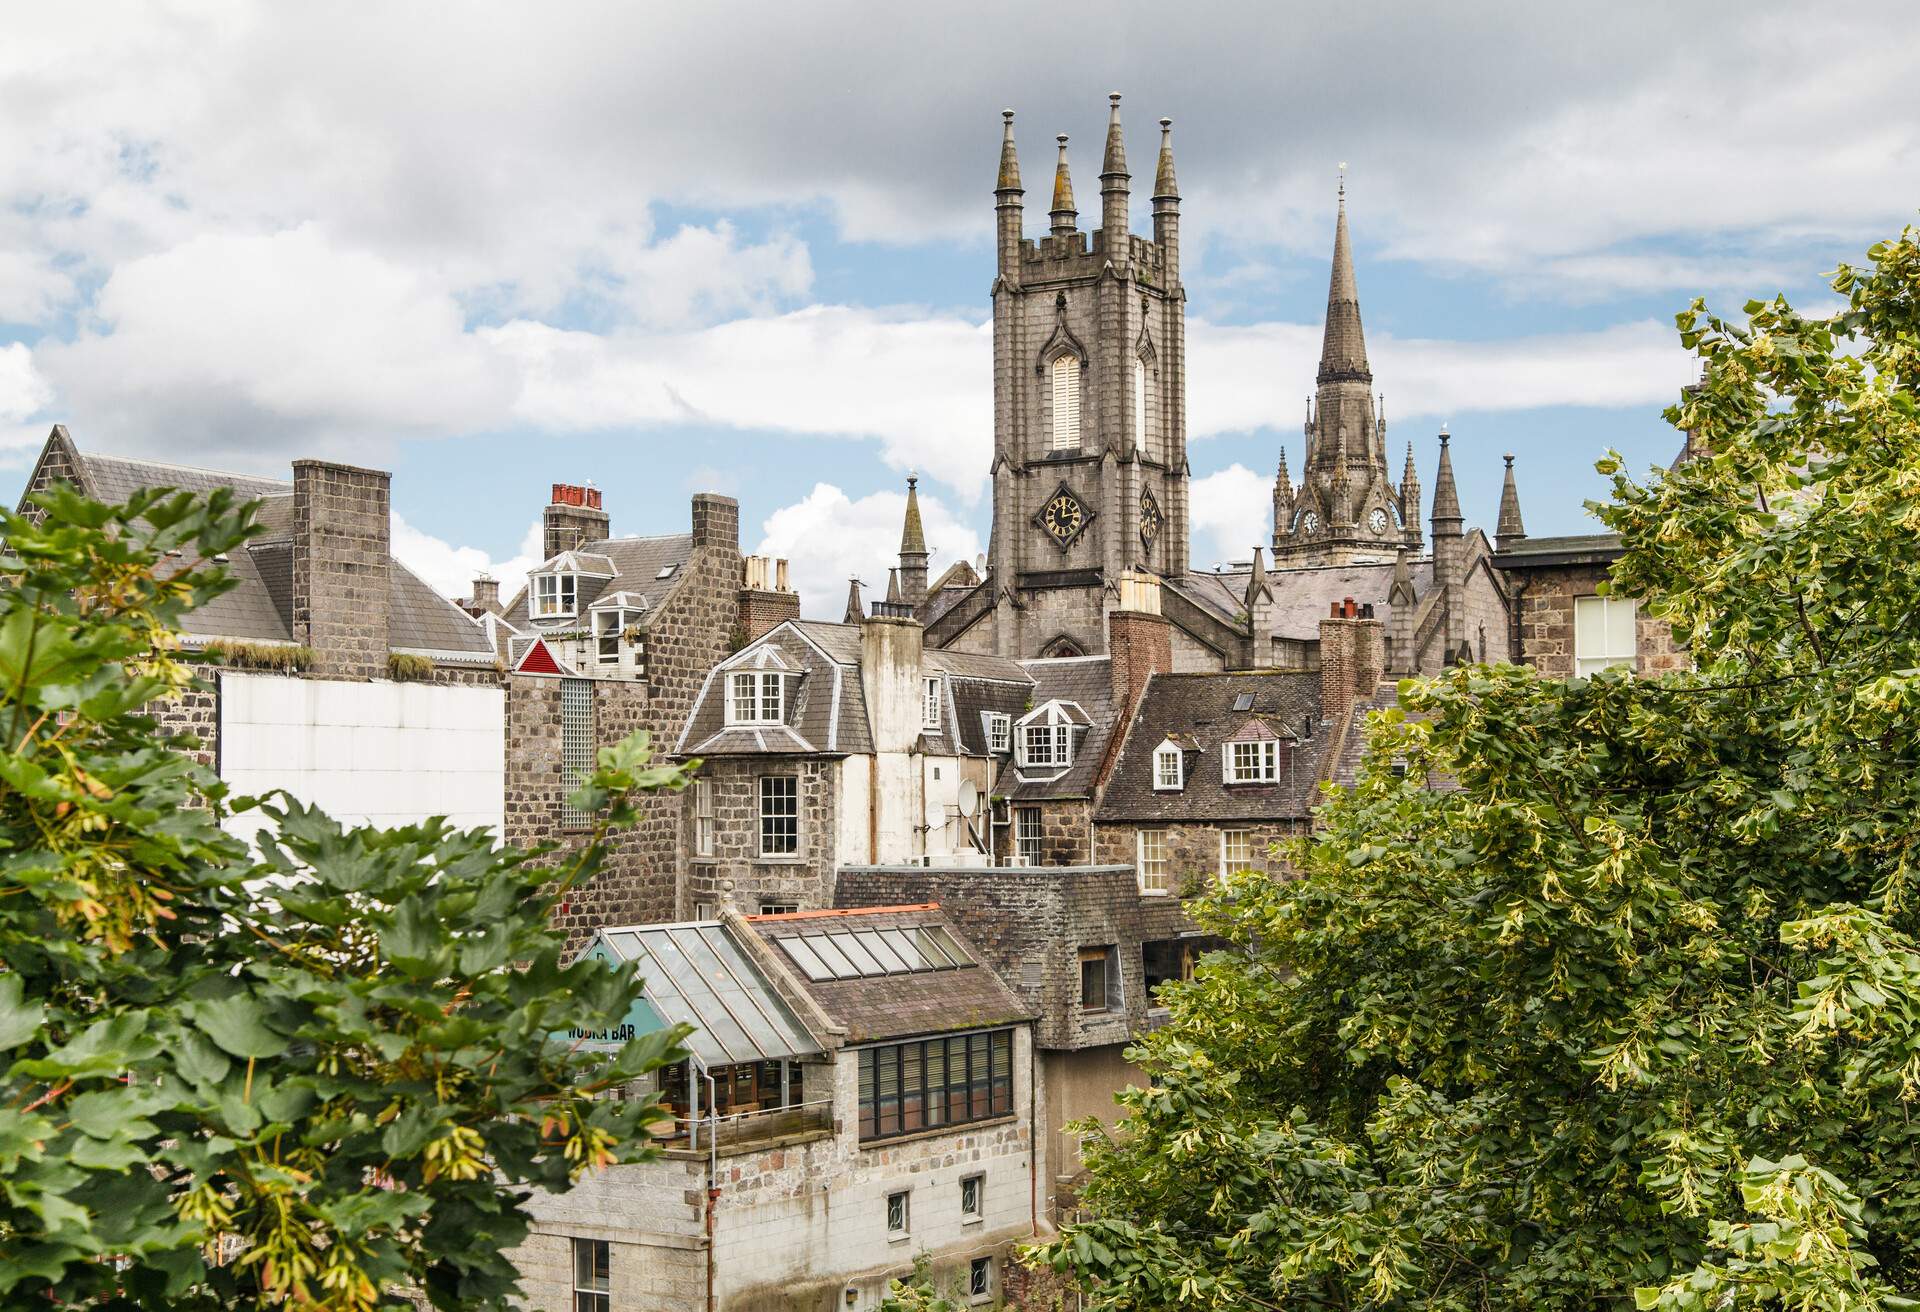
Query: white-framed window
x=703 y=817
x=999 y=731
x=1141 y=411
x=1236 y=851
x=899 y=1214
x=1169 y=768
x=1046 y=746
x=1602 y=633
x=1026 y=834
x=980 y=1280
x=1066 y=403
x=554 y=596
x=754 y=697
x=779 y=815
x=930 y=703
x=973 y=1198
x=608 y=627
x=1155 y=874
x=592 y=1275
x=1252 y=762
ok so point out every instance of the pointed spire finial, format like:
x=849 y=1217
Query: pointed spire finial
x=1257 y=588
x=1065 y=217
x=856 y=610
x=1164 y=186
x=1510 y=528
x=1009 y=157
x=1115 y=162
x=893 y=585
x=1343 y=350
x=1446 y=496
x=913 y=538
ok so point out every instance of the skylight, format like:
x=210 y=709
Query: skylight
x=867 y=953
x=1243 y=702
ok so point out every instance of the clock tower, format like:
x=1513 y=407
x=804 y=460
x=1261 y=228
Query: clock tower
x=1089 y=388
x=1346 y=509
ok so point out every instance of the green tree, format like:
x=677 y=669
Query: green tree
x=1628 y=1005
x=310 y=1077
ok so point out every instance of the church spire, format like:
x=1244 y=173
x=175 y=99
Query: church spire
x=913 y=539
x=1446 y=497
x=856 y=610
x=1510 y=529
x=1410 y=501
x=913 y=549
x=1065 y=217
x=1009 y=158
x=1343 y=350
x=1116 y=157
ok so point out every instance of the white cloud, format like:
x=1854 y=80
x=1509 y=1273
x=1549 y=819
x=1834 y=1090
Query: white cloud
x=450 y=570
x=1232 y=511
x=243 y=344
x=830 y=538
x=1260 y=375
x=23 y=390
x=920 y=386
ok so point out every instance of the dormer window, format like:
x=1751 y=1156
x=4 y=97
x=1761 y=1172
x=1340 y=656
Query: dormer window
x=1256 y=761
x=930 y=704
x=555 y=596
x=1169 y=768
x=1044 y=736
x=1046 y=746
x=755 y=697
x=999 y=731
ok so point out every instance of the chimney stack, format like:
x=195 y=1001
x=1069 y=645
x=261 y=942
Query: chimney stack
x=765 y=599
x=342 y=567
x=486 y=595
x=573 y=516
x=716 y=522
x=1353 y=656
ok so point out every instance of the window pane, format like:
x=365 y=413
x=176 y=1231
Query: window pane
x=1619 y=627
x=906 y=951
x=836 y=960
x=947 y=945
x=576 y=747
x=929 y=948
x=863 y=960
x=885 y=955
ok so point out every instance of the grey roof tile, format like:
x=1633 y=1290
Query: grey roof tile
x=637 y=565
x=1197 y=711
x=1084 y=681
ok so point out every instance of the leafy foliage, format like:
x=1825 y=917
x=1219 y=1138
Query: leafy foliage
x=1629 y=1006
x=309 y=1077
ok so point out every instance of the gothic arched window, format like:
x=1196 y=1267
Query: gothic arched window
x=1066 y=402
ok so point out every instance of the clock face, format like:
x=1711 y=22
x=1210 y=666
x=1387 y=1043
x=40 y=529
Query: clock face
x=1062 y=517
x=1377 y=521
x=1309 y=523
x=1149 y=517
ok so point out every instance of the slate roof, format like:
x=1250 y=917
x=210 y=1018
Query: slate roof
x=1575 y=549
x=1083 y=681
x=260 y=607
x=898 y=1006
x=1303 y=595
x=1197 y=711
x=636 y=564
x=825 y=708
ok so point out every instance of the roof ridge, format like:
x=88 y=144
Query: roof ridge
x=191 y=469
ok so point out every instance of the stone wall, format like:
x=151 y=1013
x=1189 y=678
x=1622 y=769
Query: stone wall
x=806 y=879
x=797 y=1225
x=342 y=568
x=1546 y=622
x=1064 y=837
x=1194 y=849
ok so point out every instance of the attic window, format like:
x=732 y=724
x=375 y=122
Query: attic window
x=1251 y=762
x=999 y=731
x=930 y=704
x=666 y=571
x=1169 y=768
x=555 y=596
x=1243 y=702
x=608 y=628
x=1046 y=745
x=754 y=697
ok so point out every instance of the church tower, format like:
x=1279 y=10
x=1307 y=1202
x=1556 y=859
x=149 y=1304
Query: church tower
x=1089 y=403
x=1345 y=508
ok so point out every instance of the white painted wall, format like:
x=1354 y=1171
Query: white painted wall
x=384 y=754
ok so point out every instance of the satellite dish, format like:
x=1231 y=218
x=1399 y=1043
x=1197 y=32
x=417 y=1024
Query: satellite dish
x=969 y=799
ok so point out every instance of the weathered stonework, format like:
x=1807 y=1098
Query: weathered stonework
x=342 y=567
x=804 y=879
x=1546 y=623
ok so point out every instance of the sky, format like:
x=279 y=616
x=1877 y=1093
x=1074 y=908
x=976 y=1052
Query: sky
x=747 y=248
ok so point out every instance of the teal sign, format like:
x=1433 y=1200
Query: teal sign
x=640 y=1019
